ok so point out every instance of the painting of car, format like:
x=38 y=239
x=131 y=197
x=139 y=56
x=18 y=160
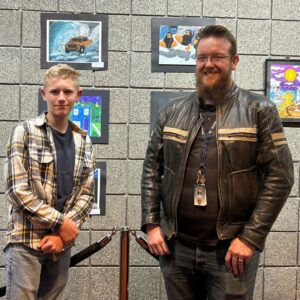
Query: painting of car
x=78 y=43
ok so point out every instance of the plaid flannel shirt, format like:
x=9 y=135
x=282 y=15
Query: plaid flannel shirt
x=30 y=180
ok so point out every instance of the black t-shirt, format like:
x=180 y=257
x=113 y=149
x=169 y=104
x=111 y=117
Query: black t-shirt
x=65 y=158
x=197 y=224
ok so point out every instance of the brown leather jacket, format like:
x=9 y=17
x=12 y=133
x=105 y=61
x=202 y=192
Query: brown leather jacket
x=255 y=167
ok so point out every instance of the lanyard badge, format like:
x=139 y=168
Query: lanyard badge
x=200 y=190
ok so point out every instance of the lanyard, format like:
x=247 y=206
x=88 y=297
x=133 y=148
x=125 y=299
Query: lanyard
x=206 y=136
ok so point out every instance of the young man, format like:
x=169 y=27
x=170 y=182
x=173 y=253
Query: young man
x=227 y=145
x=49 y=186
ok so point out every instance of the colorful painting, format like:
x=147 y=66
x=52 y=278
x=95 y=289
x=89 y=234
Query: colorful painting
x=174 y=42
x=90 y=113
x=98 y=207
x=283 y=88
x=74 y=39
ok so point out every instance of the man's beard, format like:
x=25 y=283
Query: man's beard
x=215 y=91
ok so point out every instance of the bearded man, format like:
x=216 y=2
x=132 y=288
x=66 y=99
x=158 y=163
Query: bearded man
x=216 y=174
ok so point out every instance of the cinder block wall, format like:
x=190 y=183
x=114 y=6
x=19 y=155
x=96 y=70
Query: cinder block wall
x=264 y=29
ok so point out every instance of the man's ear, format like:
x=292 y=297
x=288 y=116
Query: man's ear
x=235 y=61
x=79 y=94
x=42 y=91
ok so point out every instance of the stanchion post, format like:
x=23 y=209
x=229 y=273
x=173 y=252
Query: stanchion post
x=124 y=263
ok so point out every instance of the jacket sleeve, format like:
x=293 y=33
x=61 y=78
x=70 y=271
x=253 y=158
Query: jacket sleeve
x=17 y=188
x=150 y=183
x=276 y=164
x=84 y=197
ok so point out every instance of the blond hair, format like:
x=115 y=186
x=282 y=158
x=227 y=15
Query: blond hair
x=61 y=71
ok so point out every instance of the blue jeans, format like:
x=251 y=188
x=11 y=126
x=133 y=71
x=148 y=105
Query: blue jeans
x=31 y=275
x=194 y=273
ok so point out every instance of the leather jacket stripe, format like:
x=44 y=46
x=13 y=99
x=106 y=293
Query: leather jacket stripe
x=237 y=130
x=174 y=138
x=280 y=143
x=278 y=136
x=176 y=131
x=238 y=138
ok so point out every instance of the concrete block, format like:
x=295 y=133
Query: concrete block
x=119 y=105
x=10 y=28
x=279 y=283
x=141 y=75
x=288 y=218
x=184 y=8
x=134 y=212
x=78 y=286
x=148 y=278
x=253 y=36
x=283 y=32
x=10 y=65
x=219 y=8
x=109 y=255
x=31 y=33
x=86 y=78
x=4 y=214
x=2 y=276
x=115 y=214
x=105 y=283
x=285 y=10
x=250 y=72
x=141 y=33
x=259 y=283
x=9 y=102
x=31 y=69
x=138 y=140
x=140 y=106
x=119 y=32
x=135 y=168
x=48 y=5
x=2 y=243
x=281 y=249
x=117 y=146
x=6 y=129
x=254 y=9
x=228 y=23
x=295 y=188
x=82 y=241
x=116 y=177
x=77 y=6
x=180 y=80
x=2 y=177
x=145 y=7
x=8 y=4
x=29 y=101
x=115 y=7
x=117 y=73
x=292 y=135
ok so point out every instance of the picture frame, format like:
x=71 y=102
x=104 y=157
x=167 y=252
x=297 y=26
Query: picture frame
x=159 y=99
x=90 y=113
x=282 y=87
x=174 y=42
x=79 y=40
x=99 y=204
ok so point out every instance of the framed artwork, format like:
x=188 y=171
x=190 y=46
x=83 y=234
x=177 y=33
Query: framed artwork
x=90 y=113
x=174 y=42
x=99 y=204
x=79 y=40
x=283 y=88
x=159 y=100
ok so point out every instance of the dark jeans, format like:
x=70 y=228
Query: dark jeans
x=196 y=273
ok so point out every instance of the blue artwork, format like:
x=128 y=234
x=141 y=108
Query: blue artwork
x=74 y=41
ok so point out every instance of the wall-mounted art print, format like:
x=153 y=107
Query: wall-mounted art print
x=174 y=42
x=159 y=100
x=99 y=204
x=283 y=88
x=79 y=40
x=90 y=113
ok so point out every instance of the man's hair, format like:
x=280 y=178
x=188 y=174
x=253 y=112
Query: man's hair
x=220 y=32
x=61 y=71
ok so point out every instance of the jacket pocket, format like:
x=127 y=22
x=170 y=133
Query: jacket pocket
x=243 y=195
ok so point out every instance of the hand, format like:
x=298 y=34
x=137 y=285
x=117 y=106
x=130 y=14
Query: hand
x=68 y=231
x=51 y=243
x=239 y=253
x=156 y=240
